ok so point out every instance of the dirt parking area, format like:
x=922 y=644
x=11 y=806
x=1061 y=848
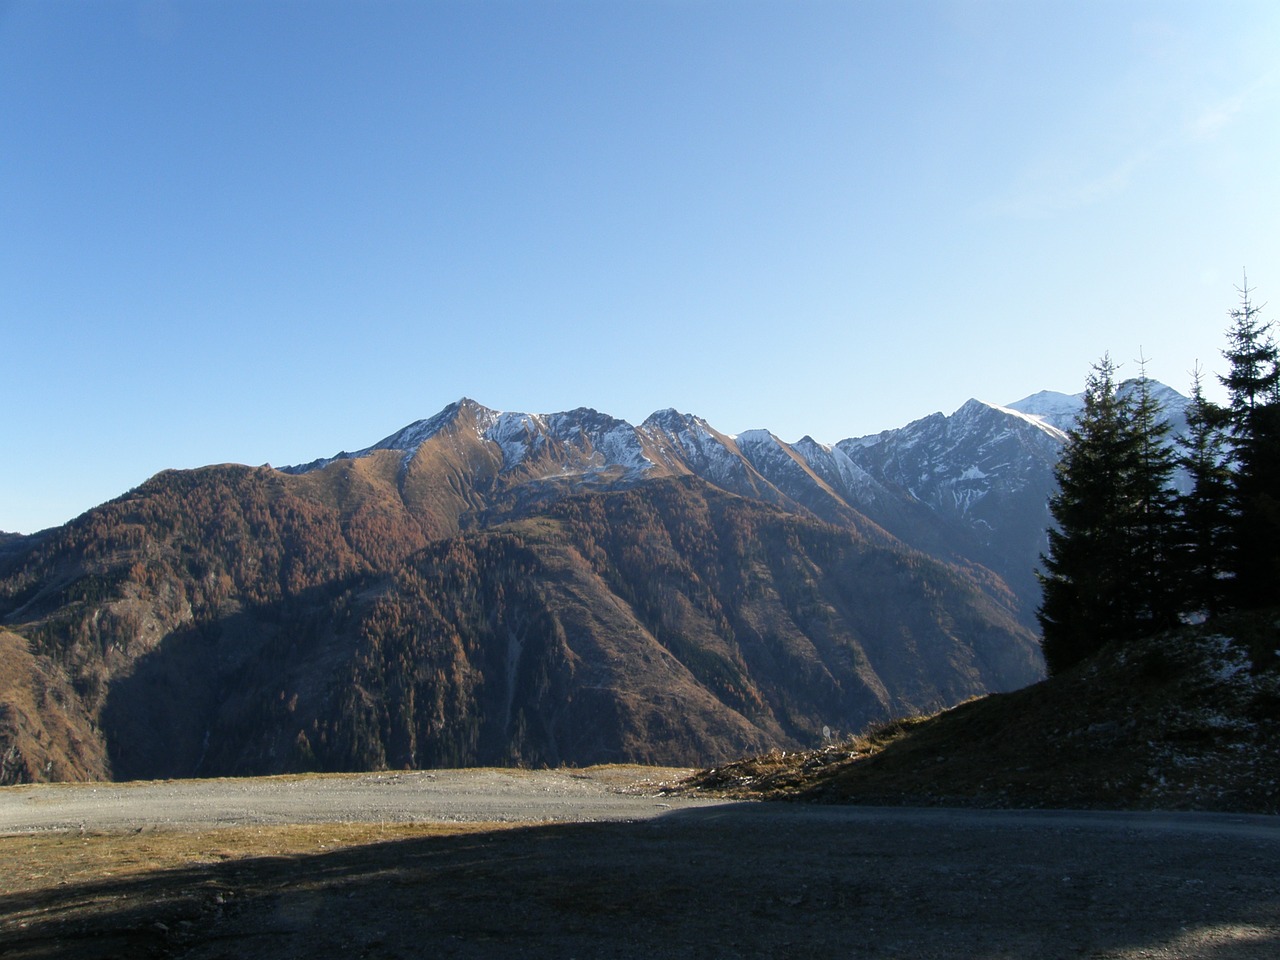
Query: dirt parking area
x=631 y=873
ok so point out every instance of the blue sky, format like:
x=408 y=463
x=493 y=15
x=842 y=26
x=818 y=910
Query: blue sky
x=265 y=232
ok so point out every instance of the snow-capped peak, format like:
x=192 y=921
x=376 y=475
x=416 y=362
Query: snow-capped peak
x=409 y=438
x=1061 y=409
x=1056 y=409
x=1034 y=420
x=755 y=437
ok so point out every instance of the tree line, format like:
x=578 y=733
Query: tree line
x=1128 y=553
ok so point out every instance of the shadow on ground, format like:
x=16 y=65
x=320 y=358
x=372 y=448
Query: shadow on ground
x=758 y=880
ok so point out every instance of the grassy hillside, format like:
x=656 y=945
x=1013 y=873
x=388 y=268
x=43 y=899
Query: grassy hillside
x=1184 y=720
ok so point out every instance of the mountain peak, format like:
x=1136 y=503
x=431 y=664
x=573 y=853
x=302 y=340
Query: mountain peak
x=1060 y=410
x=973 y=409
x=756 y=436
x=1056 y=409
x=667 y=418
x=408 y=439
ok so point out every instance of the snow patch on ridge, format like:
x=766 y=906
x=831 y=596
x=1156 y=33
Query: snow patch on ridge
x=837 y=468
x=517 y=435
x=1056 y=409
x=1035 y=420
x=621 y=445
x=755 y=436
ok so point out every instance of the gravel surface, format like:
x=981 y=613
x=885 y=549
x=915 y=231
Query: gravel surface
x=610 y=870
x=479 y=795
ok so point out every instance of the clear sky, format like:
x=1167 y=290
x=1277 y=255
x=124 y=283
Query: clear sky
x=266 y=232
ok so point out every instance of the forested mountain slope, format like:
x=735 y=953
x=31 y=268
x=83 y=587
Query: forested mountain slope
x=486 y=587
x=378 y=611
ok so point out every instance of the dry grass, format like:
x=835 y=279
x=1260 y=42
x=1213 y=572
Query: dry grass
x=780 y=774
x=32 y=862
x=152 y=892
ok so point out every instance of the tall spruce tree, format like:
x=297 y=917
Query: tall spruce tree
x=1253 y=376
x=1204 y=521
x=1154 y=504
x=1103 y=578
x=1253 y=388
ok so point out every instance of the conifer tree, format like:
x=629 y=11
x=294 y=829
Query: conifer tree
x=1253 y=378
x=1253 y=387
x=1154 y=504
x=1127 y=555
x=1083 y=594
x=1205 y=510
x=1106 y=576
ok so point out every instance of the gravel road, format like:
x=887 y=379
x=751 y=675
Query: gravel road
x=480 y=795
x=606 y=868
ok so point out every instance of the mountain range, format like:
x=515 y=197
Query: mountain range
x=484 y=587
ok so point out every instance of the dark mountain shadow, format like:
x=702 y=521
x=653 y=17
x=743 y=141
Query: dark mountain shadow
x=748 y=880
x=208 y=690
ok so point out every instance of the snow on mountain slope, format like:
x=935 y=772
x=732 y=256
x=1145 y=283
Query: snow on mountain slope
x=822 y=480
x=774 y=459
x=971 y=487
x=837 y=469
x=1061 y=409
x=969 y=467
x=606 y=441
x=686 y=442
x=1056 y=409
x=577 y=441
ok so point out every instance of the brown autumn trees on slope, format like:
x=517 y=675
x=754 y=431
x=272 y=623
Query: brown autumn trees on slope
x=241 y=620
